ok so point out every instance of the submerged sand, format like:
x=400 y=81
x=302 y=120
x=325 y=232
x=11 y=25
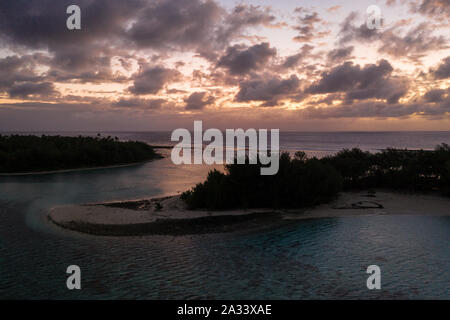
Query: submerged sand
x=169 y=215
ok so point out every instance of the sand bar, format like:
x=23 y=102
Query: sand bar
x=169 y=215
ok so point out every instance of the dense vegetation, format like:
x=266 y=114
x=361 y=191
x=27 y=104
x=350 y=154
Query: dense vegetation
x=304 y=182
x=19 y=153
x=413 y=170
x=299 y=182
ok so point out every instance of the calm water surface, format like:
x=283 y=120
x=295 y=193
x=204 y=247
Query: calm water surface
x=324 y=258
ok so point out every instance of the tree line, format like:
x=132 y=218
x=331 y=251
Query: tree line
x=29 y=153
x=303 y=181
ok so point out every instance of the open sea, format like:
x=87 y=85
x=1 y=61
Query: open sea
x=310 y=259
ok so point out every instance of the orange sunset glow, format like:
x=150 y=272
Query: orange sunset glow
x=160 y=64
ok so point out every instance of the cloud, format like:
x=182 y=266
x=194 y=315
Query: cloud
x=293 y=60
x=222 y=52
x=202 y=26
x=82 y=55
x=19 y=77
x=339 y=54
x=15 y=69
x=241 y=60
x=438 y=9
x=373 y=109
x=435 y=95
x=136 y=103
x=153 y=79
x=334 y=8
x=414 y=42
x=370 y=81
x=361 y=110
x=23 y=90
x=111 y=28
x=42 y=23
x=346 y=76
x=182 y=23
x=198 y=100
x=443 y=70
x=349 y=32
x=269 y=90
x=395 y=41
x=242 y=17
x=390 y=3
x=306 y=26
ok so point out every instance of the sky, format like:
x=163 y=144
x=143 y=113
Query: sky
x=138 y=65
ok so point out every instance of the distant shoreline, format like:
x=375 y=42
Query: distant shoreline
x=36 y=155
x=38 y=173
x=169 y=215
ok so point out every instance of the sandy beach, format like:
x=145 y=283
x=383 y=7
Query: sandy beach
x=169 y=215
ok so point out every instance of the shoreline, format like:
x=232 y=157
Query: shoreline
x=169 y=215
x=37 y=173
x=178 y=227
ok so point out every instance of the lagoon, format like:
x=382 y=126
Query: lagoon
x=308 y=259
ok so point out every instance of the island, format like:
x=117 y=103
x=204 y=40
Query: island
x=349 y=183
x=30 y=154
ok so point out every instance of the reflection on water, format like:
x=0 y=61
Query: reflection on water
x=308 y=259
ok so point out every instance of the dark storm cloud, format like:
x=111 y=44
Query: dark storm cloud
x=240 y=60
x=371 y=81
x=268 y=89
x=443 y=69
x=153 y=79
x=198 y=100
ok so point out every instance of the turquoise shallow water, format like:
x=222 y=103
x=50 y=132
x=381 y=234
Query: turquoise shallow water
x=323 y=259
